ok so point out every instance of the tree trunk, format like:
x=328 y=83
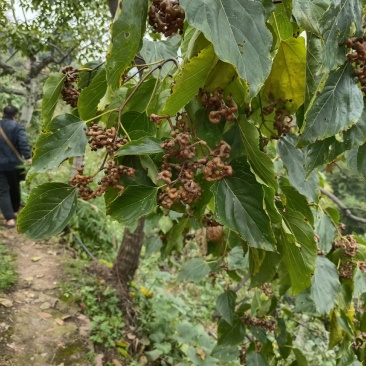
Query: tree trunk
x=128 y=256
x=30 y=101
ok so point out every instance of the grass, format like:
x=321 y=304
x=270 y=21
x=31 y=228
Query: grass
x=8 y=275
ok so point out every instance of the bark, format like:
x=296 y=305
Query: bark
x=128 y=256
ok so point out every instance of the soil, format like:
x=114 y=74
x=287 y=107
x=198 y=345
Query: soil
x=38 y=328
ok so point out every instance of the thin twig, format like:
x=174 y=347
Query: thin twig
x=342 y=206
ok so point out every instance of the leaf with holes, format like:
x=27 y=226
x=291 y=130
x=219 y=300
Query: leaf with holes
x=127 y=31
x=243 y=41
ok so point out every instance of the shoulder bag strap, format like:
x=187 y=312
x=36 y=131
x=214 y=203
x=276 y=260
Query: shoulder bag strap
x=12 y=147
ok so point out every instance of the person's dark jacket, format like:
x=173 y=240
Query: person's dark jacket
x=16 y=134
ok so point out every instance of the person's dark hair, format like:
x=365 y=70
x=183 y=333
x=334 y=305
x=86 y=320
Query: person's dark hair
x=10 y=111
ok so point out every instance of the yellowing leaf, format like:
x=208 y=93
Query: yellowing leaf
x=36 y=259
x=189 y=80
x=287 y=78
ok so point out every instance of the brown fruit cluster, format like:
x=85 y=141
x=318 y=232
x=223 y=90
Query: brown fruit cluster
x=362 y=266
x=220 y=111
x=69 y=93
x=348 y=244
x=166 y=17
x=181 y=164
x=112 y=172
x=267 y=289
x=214 y=231
x=105 y=138
x=357 y=57
x=346 y=270
x=265 y=323
x=282 y=122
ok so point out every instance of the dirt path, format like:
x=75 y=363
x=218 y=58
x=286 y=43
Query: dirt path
x=36 y=327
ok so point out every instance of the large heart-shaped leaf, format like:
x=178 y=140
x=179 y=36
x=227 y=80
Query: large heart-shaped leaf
x=309 y=12
x=195 y=270
x=287 y=77
x=142 y=146
x=189 y=80
x=337 y=107
x=136 y=201
x=298 y=270
x=342 y=20
x=324 y=285
x=90 y=97
x=49 y=208
x=127 y=32
x=65 y=137
x=243 y=41
x=294 y=159
x=261 y=164
x=153 y=51
x=225 y=305
x=239 y=206
x=51 y=92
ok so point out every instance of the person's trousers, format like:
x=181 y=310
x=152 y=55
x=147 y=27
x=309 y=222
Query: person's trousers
x=10 y=193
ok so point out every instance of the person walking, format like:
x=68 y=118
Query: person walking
x=13 y=146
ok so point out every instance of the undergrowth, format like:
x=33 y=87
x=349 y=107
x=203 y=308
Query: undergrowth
x=8 y=275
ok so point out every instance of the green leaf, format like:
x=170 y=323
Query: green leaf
x=127 y=32
x=337 y=107
x=142 y=146
x=293 y=159
x=296 y=201
x=195 y=270
x=336 y=25
x=308 y=13
x=135 y=201
x=361 y=160
x=222 y=353
x=255 y=359
x=236 y=259
x=304 y=235
x=153 y=51
x=225 y=305
x=299 y=258
x=300 y=358
x=239 y=206
x=175 y=234
x=325 y=285
x=325 y=230
x=359 y=280
x=287 y=77
x=65 y=137
x=280 y=25
x=243 y=41
x=322 y=152
x=189 y=80
x=230 y=335
x=314 y=58
x=90 y=97
x=138 y=125
x=49 y=208
x=260 y=162
x=51 y=92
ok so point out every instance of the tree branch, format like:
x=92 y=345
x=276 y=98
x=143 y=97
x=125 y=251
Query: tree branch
x=7 y=90
x=7 y=70
x=342 y=206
